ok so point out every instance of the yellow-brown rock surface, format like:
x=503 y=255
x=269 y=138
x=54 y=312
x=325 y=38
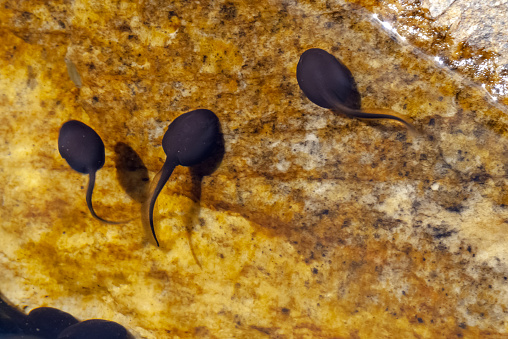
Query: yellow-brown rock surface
x=313 y=225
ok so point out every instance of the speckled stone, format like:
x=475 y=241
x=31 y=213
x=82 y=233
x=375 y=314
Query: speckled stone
x=468 y=36
x=313 y=225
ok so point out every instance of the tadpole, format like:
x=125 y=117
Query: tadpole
x=328 y=83
x=189 y=140
x=83 y=150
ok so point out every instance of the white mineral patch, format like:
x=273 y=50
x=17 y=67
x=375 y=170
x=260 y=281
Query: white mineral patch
x=311 y=148
x=156 y=132
x=437 y=7
x=399 y=200
x=316 y=122
x=283 y=165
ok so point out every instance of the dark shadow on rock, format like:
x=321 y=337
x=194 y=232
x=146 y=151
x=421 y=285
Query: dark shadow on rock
x=199 y=171
x=131 y=172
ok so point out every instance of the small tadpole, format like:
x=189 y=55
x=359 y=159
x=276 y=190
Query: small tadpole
x=73 y=73
x=83 y=150
x=328 y=83
x=189 y=140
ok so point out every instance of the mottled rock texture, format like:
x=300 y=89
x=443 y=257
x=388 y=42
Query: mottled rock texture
x=468 y=36
x=313 y=225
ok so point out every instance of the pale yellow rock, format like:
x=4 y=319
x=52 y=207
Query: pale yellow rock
x=313 y=226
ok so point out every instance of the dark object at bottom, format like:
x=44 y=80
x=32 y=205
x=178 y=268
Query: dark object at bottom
x=48 y=322
x=18 y=336
x=12 y=320
x=96 y=329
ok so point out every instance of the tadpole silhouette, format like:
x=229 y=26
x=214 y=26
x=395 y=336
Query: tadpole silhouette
x=328 y=83
x=189 y=140
x=48 y=322
x=83 y=150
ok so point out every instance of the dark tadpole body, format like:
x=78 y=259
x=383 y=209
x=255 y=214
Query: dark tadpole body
x=96 y=329
x=329 y=84
x=83 y=150
x=189 y=140
x=48 y=322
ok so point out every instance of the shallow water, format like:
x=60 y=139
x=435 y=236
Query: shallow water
x=313 y=224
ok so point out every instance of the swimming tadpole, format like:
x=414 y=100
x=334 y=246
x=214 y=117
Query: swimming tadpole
x=328 y=83
x=189 y=140
x=83 y=150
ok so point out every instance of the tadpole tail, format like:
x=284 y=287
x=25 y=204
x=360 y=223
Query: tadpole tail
x=89 y=191
x=164 y=174
x=375 y=113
